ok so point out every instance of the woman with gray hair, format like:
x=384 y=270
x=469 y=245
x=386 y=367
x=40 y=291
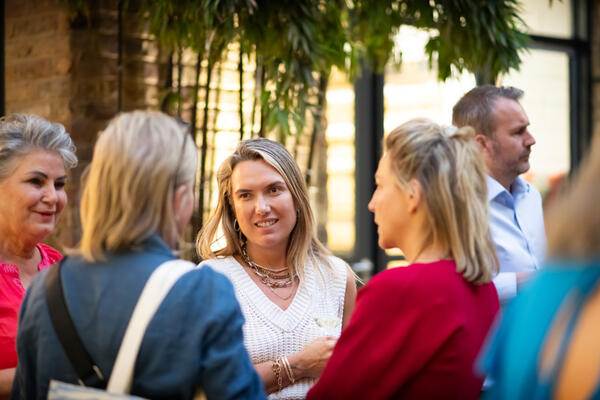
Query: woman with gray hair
x=34 y=158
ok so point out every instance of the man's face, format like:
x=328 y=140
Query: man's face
x=507 y=151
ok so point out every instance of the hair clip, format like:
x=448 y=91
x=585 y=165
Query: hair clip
x=450 y=130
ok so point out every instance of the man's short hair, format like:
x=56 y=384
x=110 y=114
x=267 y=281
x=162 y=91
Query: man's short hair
x=476 y=107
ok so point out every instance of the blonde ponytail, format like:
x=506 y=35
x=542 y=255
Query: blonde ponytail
x=449 y=167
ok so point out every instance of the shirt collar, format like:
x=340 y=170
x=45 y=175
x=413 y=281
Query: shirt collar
x=520 y=185
x=495 y=188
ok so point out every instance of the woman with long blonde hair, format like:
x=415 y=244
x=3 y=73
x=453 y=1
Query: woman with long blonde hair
x=295 y=296
x=137 y=199
x=416 y=330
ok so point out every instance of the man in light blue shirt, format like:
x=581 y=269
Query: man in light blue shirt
x=516 y=218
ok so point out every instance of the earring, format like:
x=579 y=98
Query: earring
x=236 y=225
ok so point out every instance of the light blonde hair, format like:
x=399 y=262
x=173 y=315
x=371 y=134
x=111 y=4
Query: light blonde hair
x=139 y=161
x=573 y=221
x=448 y=165
x=303 y=243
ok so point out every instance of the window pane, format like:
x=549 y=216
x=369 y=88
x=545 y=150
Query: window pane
x=414 y=91
x=340 y=165
x=544 y=76
x=548 y=20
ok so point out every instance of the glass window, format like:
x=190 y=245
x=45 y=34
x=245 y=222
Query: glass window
x=548 y=18
x=413 y=90
x=544 y=76
x=340 y=165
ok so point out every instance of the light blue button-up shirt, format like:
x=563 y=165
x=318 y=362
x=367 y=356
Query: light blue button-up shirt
x=517 y=228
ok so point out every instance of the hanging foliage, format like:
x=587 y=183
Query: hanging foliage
x=292 y=46
x=484 y=37
x=294 y=41
x=481 y=37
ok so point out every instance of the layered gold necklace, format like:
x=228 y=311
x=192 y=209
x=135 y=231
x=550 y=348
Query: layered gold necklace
x=273 y=278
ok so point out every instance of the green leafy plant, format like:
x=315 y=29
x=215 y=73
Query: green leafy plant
x=294 y=44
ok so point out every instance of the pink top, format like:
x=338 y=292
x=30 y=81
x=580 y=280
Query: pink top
x=11 y=296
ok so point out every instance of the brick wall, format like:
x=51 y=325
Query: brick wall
x=38 y=72
x=38 y=59
x=65 y=69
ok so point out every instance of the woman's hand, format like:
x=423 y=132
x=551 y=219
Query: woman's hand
x=6 y=381
x=310 y=361
x=307 y=363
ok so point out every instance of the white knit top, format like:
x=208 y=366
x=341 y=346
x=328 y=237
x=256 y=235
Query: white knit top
x=270 y=332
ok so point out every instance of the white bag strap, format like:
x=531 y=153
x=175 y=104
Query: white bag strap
x=155 y=290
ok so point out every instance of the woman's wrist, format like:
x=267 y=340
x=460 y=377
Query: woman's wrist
x=278 y=374
x=283 y=374
x=287 y=368
x=296 y=366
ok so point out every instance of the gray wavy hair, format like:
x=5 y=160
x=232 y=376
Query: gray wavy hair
x=23 y=133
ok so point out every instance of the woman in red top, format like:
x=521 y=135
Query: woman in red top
x=34 y=156
x=416 y=331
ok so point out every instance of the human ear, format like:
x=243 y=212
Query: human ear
x=183 y=204
x=484 y=143
x=415 y=194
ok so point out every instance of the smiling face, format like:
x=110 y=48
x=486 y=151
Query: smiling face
x=390 y=206
x=507 y=151
x=33 y=196
x=263 y=205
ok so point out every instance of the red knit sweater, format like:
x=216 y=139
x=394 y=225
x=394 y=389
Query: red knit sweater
x=415 y=333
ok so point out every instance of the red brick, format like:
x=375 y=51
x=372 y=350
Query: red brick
x=43 y=110
x=23 y=8
x=43 y=89
x=63 y=66
x=38 y=46
x=32 y=25
x=26 y=70
x=60 y=112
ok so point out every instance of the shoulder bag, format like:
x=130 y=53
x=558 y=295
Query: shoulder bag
x=119 y=384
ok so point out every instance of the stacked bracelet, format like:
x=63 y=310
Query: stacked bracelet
x=288 y=369
x=277 y=372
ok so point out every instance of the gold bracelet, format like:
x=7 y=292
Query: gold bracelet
x=277 y=372
x=288 y=369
